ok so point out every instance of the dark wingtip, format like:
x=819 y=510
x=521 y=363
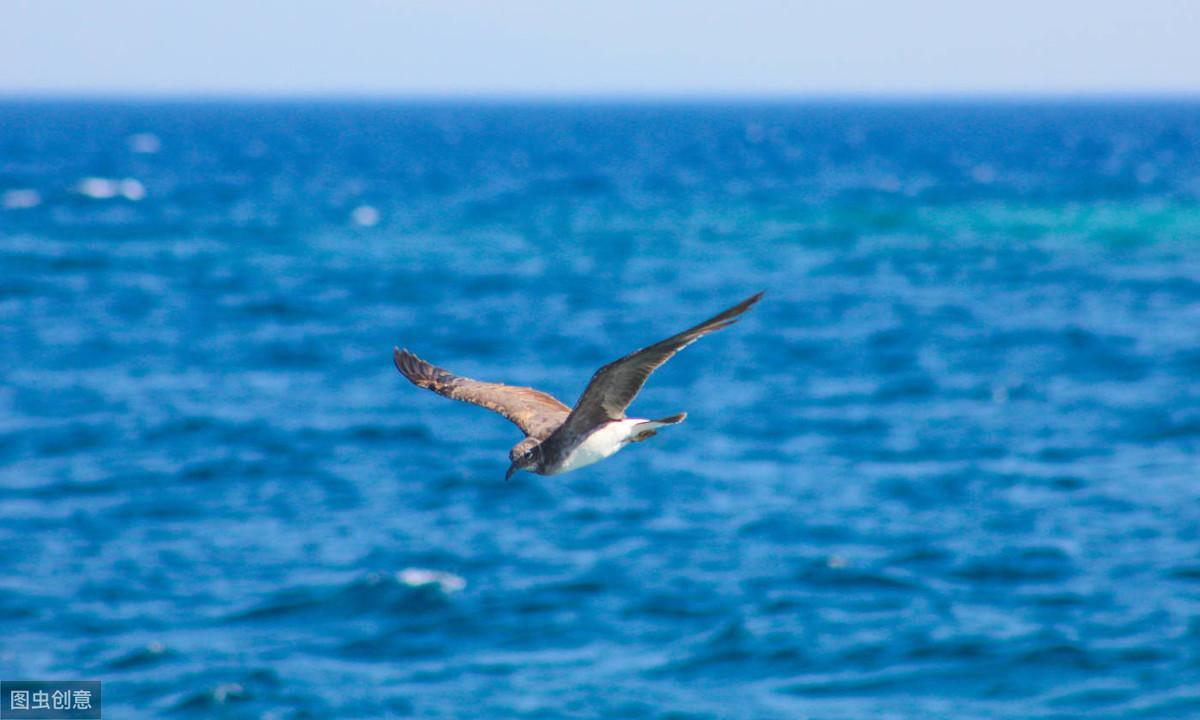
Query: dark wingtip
x=744 y=305
x=734 y=313
x=419 y=372
x=406 y=363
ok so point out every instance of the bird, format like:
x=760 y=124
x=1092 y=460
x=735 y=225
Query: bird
x=560 y=439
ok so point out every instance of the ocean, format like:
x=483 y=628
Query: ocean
x=949 y=467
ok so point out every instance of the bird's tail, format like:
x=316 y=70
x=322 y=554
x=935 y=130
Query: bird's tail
x=650 y=427
x=670 y=420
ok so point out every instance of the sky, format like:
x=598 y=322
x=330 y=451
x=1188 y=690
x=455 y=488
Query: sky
x=654 y=48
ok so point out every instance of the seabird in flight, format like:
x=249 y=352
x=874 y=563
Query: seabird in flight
x=560 y=439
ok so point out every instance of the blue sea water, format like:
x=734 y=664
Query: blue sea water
x=948 y=468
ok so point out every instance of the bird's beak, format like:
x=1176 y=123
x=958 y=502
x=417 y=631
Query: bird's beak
x=511 y=469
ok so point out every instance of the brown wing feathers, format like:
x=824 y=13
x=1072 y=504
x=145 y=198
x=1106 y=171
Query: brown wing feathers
x=538 y=414
x=535 y=412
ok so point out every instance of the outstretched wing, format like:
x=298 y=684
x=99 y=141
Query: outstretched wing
x=537 y=413
x=615 y=385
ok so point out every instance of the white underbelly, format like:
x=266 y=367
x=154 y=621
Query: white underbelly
x=600 y=444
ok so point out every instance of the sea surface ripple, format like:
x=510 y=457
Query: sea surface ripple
x=947 y=469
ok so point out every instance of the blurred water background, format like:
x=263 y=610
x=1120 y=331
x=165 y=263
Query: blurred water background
x=947 y=469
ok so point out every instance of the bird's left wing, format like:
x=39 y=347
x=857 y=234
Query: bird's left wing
x=615 y=385
x=537 y=413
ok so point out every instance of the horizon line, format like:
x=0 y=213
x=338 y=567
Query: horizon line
x=613 y=97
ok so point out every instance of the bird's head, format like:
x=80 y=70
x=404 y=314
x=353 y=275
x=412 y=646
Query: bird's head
x=527 y=455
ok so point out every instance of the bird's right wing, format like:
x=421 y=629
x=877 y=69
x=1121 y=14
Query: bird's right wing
x=537 y=413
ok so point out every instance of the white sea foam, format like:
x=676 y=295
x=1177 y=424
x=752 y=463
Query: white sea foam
x=365 y=215
x=99 y=188
x=420 y=577
x=133 y=189
x=226 y=692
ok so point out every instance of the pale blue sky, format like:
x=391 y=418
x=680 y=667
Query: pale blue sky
x=614 y=47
